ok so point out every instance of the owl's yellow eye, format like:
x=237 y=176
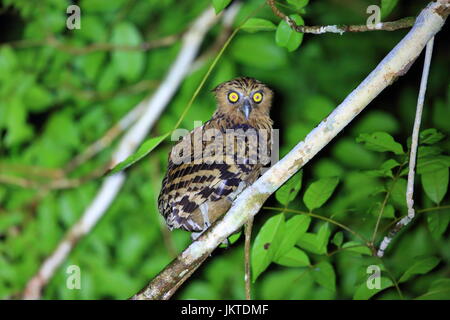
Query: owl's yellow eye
x=233 y=97
x=257 y=97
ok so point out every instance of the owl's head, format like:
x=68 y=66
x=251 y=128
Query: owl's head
x=245 y=98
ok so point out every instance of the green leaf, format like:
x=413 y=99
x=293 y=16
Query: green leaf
x=289 y=190
x=63 y=119
x=326 y=167
x=435 y=184
x=8 y=59
x=294 y=229
x=376 y=120
x=273 y=286
x=324 y=275
x=441 y=112
x=316 y=108
x=315 y=242
x=380 y=142
x=387 y=6
x=356 y=247
x=421 y=266
x=298 y=4
x=37 y=98
x=398 y=192
x=219 y=5
x=439 y=290
x=244 y=47
x=388 y=211
x=17 y=129
x=390 y=164
x=385 y=169
x=128 y=63
x=430 y=136
x=231 y=239
x=433 y=163
x=143 y=150
x=288 y=38
x=438 y=222
x=101 y=5
x=429 y=151
x=257 y=24
x=364 y=293
x=319 y=192
x=361 y=157
x=293 y=258
x=266 y=244
x=338 y=238
x=93 y=29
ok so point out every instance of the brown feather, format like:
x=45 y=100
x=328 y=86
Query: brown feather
x=210 y=180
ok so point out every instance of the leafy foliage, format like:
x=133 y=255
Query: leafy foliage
x=61 y=90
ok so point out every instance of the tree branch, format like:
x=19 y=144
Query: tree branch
x=52 y=41
x=386 y=26
x=111 y=186
x=249 y=202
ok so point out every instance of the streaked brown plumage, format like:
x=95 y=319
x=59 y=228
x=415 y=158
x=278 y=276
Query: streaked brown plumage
x=200 y=189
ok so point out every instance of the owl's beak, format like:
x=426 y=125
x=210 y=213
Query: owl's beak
x=246 y=108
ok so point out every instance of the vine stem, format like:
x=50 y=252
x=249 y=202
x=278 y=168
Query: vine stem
x=413 y=153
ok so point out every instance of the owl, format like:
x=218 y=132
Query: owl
x=212 y=164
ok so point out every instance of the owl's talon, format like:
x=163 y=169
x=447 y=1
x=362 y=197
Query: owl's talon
x=204 y=210
x=195 y=235
x=226 y=243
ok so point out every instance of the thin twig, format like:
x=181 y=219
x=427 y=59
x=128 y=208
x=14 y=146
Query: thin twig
x=384 y=203
x=392 y=277
x=247 y=249
x=31 y=170
x=55 y=184
x=413 y=153
x=51 y=41
x=317 y=216
x=108 y=137
x=111 y=186
x=385 y=26
x=93 y=95
x=250 y=201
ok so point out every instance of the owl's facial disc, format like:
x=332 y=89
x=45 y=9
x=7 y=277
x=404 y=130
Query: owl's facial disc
x=246 y=108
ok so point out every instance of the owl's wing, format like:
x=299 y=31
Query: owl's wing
x=190 y=184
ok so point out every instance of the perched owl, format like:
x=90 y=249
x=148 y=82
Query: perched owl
x=212 y=164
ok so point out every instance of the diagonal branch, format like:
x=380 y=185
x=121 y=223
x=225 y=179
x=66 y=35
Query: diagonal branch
x=250 y=201
x=111 y=186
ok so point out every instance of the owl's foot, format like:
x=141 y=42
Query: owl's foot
x=226 y=243
x=195 y=235
x=204 y=210
x=232 y=196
